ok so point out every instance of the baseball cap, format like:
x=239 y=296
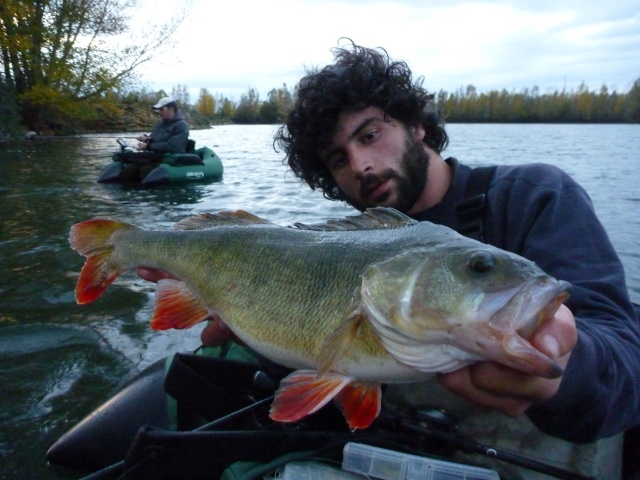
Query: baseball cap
x=164 y=102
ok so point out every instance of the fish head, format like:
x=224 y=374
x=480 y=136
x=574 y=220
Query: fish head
x=442 y=307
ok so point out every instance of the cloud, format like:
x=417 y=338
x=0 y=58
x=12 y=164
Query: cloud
x=490 y=44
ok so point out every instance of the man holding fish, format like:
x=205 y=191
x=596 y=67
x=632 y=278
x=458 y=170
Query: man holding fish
x=362 y=131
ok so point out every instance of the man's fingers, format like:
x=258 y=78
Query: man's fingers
x=558 y=336
x=461 y=383
x=216 y=333
x=151 y=274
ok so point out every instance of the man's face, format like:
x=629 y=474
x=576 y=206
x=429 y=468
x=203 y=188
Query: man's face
x=377 y=162
x=165 y=113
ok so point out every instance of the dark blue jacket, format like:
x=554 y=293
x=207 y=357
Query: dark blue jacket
x=170 y=136
x=539 y=212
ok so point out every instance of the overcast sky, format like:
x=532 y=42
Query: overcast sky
x=231 y=46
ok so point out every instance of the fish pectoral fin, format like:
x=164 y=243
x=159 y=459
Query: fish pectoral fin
x=176 y=306
x=360 y=403
x=304 y=392
x=339 y=342
x=92 y=239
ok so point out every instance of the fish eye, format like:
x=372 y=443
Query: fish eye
x=481 y=262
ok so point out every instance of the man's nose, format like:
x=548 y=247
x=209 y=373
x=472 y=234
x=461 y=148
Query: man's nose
x=360 y=161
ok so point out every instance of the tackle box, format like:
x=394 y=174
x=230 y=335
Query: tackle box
x=314 y=471
x=385 y=464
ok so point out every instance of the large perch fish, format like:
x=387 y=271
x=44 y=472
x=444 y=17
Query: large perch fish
x=352 y=303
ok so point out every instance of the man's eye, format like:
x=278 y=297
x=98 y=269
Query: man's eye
x=370 y=136
x=336 y=162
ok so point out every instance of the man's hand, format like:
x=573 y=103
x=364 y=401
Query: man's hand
x=512 y=392
x=215 y=333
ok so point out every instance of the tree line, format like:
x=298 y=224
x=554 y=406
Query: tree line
x=529 y=106
x=130 y=111
x=465 y=105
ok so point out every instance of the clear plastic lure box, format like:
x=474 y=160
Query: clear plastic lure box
x=385 y=464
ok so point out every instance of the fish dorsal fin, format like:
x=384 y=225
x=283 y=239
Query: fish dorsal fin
x=205 y=221
x=378 y=218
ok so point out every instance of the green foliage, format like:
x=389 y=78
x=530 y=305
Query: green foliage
x=275 y=109
x=631 y=106
x=248 y=110
x=9 y=118
x=63 y=58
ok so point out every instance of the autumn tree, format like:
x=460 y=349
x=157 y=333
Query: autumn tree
x=206 y=104
x=63 y=57
x=227 y=108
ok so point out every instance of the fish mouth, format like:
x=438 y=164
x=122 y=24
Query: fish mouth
x=504 y=335
x=528 y=306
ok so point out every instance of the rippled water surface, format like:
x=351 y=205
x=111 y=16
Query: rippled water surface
x=58 y=360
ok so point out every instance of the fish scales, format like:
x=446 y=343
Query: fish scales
x=351 y=303
x=315 y=275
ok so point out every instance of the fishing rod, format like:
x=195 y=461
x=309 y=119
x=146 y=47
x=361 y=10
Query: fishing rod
x=469 y=445
x=389 y=422
x=428 y=429
x=117 y=468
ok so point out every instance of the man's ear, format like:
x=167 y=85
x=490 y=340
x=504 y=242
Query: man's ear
x=418 y=132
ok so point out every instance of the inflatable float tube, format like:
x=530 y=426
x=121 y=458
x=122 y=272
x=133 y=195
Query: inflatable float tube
x=174 y=395
x=201 y=165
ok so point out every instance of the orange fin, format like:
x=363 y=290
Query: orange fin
x=176 y=306
x=360 y=403
x=304 y=392
x=93 y=240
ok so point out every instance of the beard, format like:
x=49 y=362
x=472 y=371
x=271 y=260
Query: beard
x=411 y=179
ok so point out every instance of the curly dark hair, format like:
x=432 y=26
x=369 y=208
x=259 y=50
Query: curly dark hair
x=360 y=78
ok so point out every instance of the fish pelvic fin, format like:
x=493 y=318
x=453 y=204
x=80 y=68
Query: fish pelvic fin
x=176 y=306
x=92 y=239
x=304 y=392
x=340 y=341
x=360 y=403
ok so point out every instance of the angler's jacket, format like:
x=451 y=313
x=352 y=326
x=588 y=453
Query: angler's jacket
x=537 y=211
x=170 y=136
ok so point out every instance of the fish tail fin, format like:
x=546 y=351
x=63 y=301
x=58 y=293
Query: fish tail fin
x=176 y=306
x=360 y=403
x=303 y=392
x=92 y=239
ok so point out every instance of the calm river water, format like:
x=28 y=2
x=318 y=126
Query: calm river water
x=58 y=361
